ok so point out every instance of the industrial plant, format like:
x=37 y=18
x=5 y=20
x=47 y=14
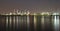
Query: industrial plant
x=26 y=21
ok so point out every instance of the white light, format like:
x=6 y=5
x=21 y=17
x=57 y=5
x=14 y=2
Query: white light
x=10 y=13
x=28 y=13
x=28 y=22
x=45 y=13
x=34 y=21
x=56 y=22
x=55 y=13
x=7 y=21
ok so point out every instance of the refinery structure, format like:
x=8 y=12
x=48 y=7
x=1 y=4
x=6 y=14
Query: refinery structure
x=27 y=12
x=26 y=21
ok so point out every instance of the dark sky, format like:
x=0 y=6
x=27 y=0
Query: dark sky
x=32 y=5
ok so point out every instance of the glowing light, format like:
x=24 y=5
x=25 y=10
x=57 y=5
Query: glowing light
x=10 y=20
x=55 y=13
x=28 y=13
x=45 y=13
x=34 y=21
x=42 y=19
x=7 y=21
x=42 y=22
x=10 y=13
x=28 y=22
x=56 y=21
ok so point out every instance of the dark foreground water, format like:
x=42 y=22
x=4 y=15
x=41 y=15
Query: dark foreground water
x=29 y=23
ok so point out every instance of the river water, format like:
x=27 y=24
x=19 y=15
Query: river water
x=29 y=22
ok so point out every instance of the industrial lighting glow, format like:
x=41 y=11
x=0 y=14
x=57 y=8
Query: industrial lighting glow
x=45 y=13
x=56 y=23
x=10 y=13
x=55 y=13
x=28 y=13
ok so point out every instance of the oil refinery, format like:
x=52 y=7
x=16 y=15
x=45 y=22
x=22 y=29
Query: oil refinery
x=26 y=21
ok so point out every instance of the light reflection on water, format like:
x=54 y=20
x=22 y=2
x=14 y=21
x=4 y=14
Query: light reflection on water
x=30 y=23
x=56 y=23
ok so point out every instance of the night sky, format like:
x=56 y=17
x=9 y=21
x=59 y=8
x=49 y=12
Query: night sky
x=7 y=6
